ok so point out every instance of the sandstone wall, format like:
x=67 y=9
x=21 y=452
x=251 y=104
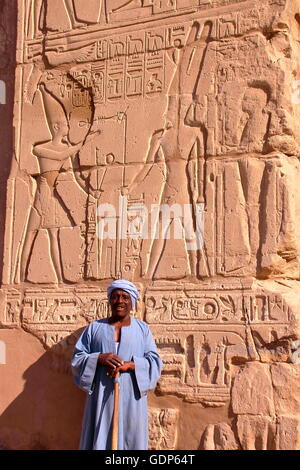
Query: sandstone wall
x=157 y=141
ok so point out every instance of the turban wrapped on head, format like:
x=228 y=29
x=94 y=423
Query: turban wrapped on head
x=127 y=286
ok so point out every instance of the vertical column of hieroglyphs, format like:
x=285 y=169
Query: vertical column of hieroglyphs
x=159 y=141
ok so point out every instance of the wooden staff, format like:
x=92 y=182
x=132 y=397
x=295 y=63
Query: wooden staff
x=115 y=424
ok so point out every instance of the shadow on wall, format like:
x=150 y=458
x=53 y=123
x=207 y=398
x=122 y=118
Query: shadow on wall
x=8 y=33
x=42 y=407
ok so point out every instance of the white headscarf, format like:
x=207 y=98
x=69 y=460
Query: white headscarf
x=127 y=286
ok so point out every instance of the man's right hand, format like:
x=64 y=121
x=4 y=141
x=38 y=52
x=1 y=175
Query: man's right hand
x=110 y=360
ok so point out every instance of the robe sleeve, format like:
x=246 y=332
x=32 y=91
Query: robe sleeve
x=147 y=368
x=84 y=362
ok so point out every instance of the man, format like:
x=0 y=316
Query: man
x=122 y=344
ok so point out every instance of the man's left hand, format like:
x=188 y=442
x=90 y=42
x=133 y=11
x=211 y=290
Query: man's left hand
x=127 y=366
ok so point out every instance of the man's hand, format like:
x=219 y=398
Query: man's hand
x=126 y=366
x=110 y=361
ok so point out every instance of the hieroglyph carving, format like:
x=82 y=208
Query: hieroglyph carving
x=57 y=16
x=200 y=333
x=52 y=314
x=163 y=428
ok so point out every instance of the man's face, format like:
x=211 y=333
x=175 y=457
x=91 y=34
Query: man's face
x=120 y=303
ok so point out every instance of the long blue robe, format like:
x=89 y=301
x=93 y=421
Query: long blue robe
x=136 y=344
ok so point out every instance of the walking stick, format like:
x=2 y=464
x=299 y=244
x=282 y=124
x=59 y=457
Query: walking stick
x=115 y=424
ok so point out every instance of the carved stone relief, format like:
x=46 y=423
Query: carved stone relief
x=163 y=428
x=200 y=334
x=263 y=420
